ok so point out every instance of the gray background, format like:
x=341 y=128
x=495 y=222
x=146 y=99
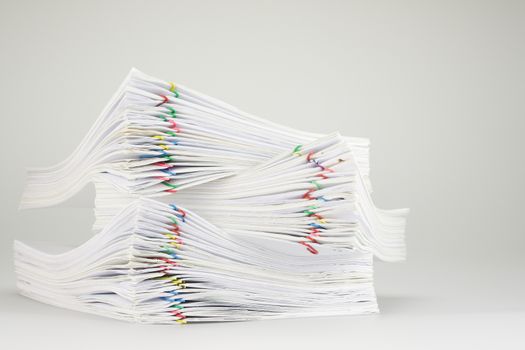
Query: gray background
x=438 y=86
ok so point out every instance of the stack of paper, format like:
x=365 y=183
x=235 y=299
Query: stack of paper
x=154 y=139
x=279 y=222
x=156 y=263
x=312 y=196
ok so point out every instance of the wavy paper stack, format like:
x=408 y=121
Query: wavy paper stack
x=206 y=213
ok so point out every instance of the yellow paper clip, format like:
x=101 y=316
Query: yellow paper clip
x=170 y=236
x=175 y=244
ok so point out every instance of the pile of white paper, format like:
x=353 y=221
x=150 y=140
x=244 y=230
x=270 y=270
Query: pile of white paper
x=156 y=263
x=268 y=221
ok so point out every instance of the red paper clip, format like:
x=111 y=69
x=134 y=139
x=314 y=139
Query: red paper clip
x=178 y=314
x=165 y=100
x=173 y=125
x=309 y=156
x=311 y=239
x=308 y=193
x=168 y=261
x=317 y=216
x=309 y=247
